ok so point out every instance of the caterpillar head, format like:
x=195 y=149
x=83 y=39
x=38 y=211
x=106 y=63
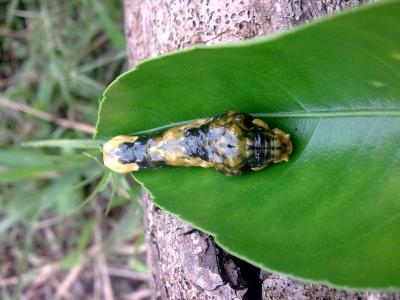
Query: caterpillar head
x=112 y=154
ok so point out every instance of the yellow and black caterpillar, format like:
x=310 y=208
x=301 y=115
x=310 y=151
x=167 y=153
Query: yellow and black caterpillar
x=232 y=143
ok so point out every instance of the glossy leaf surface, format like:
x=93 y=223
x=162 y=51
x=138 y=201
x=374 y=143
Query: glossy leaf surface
x=332 y=213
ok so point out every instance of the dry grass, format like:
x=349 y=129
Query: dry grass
x=52 y=269
x=68 y=228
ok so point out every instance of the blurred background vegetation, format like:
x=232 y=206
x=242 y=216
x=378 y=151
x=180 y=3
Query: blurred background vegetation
x=69 y=229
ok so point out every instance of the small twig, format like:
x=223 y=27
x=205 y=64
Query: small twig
x=5 y=32
x=45 y=273
x=49 y=222
x=52 y=240
x=127 y=274
x=139 y=295
x=98 y=41
x=129 y=248
x=34 y=260
x=101 y=260
x=18 y=106
x=75 y=272
x=62 y=291
x=4 y=282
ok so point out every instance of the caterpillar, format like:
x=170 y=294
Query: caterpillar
x=233 y=143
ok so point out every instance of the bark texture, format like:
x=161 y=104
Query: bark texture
x=185 y=263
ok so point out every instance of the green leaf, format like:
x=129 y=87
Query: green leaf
x=20 y=165
x=332 y=213
x=61 y=193
x=24 y=158
x=100 y=186
x=16 y=209
x=64 y=143
x=114 y=33
x=131 y=219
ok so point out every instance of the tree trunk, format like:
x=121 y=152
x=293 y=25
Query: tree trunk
x=185 y=263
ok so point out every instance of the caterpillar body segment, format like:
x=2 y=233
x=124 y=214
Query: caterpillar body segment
x=232 y=143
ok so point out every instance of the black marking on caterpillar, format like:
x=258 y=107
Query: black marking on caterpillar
x=232 y=143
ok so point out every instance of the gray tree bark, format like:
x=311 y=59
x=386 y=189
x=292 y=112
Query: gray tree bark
x=185 y=263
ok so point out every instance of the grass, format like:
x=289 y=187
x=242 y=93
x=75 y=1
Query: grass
x=68 y=228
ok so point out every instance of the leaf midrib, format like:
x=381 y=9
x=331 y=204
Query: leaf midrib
x=332 y=114
x=300 y=114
